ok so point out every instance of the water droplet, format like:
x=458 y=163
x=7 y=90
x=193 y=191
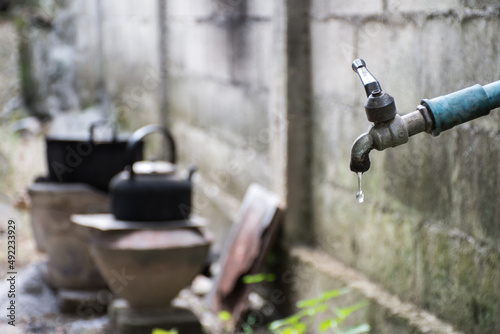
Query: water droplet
x=359 y=195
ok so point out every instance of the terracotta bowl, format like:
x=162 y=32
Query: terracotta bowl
x=148 y=268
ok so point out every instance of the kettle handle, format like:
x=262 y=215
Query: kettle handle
x=137 y=137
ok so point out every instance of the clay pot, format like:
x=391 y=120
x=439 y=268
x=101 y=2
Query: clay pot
x=148 y=268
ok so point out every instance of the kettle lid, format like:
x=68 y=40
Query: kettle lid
x=153 y=167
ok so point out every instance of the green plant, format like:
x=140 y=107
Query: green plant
x=298 y=323
x=162 y=331
x=258 y=278
x=224 y=316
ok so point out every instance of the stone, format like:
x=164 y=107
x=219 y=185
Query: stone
x=201 y=285
x=83 y=302
x=126 y=320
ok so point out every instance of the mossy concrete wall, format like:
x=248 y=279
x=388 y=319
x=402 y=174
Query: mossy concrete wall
x=219 y=89
x=428 y=230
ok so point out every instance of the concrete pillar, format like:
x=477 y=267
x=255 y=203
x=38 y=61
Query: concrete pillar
x=299 y=118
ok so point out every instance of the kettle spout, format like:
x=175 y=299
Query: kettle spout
x=360 y=160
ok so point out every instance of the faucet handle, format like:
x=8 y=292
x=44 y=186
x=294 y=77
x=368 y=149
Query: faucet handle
x=379 y=106
x=369 y=82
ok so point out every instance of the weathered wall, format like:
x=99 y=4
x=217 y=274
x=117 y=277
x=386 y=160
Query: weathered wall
x=131 y=59
x=428 y=230
x=81 y=54
x=263 y=91
x=219 y=61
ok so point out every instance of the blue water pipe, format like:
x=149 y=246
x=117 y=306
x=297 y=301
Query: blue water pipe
x=462 y=106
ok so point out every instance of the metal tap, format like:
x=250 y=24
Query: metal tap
x=433 y=116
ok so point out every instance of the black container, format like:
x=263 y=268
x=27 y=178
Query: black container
x=151 y=196
x=85 y=160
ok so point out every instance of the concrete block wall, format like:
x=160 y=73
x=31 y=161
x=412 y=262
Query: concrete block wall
x=131 y=59
x=219 y=56
x=419 y=235
x=428 y=230
x=88 y=76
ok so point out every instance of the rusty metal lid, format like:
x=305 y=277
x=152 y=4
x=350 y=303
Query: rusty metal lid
x=151 y=239
x=107 y=222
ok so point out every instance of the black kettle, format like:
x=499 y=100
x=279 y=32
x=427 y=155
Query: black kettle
x=150 y=190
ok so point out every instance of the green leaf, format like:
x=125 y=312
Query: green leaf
x=309 y=302
x=270 y=277
x=321 y=308
x=252 y=279
x=257 y=278
x=277 y=324
x=162 y=331
x=324 y=297
x=223 y=315
x=343 y=313
x=290 y=320
x=289 y=330
x=329 y=323
x=311 y=307
x=251 y=319
x=363 y=328
x=300 y=327
x=247 y=329
x=334 y=293
x=271 y=258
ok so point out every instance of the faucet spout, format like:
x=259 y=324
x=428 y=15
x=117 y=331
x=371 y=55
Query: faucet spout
x=384 y=135
x=360 y=160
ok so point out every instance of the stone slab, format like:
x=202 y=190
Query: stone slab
x=81 y=302
x=107 y=222
x=126 y=320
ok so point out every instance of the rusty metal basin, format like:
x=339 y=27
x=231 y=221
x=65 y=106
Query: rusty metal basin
x=148 y=268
